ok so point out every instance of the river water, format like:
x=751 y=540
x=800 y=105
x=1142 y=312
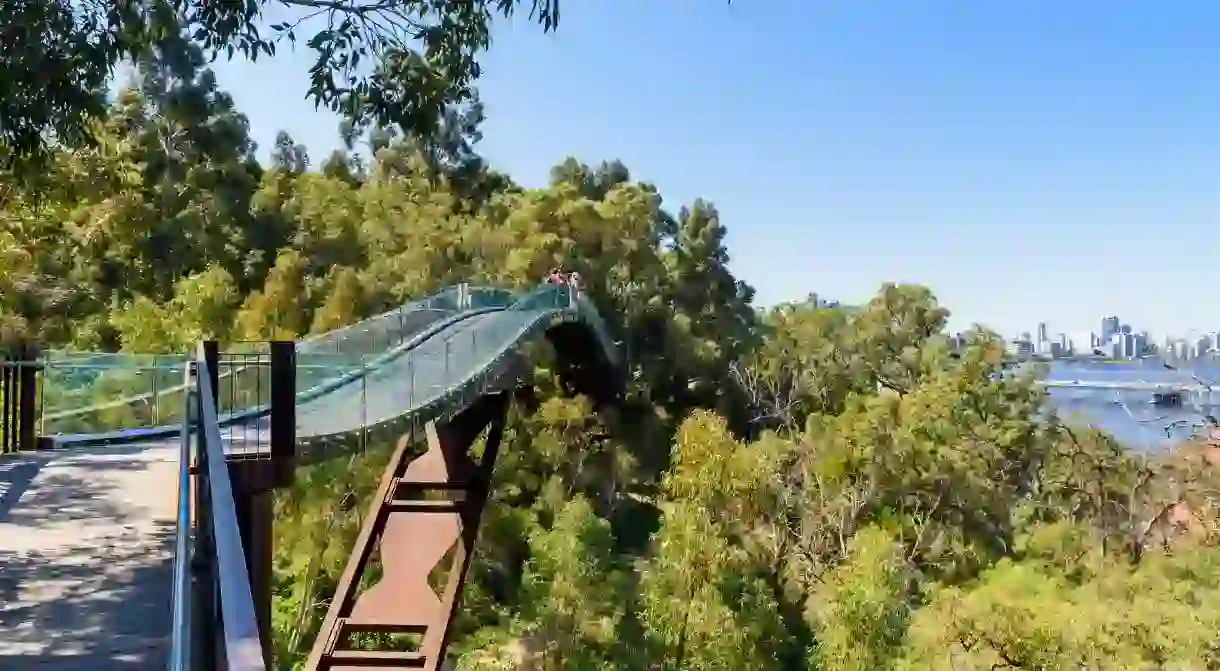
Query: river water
x=1130 y=415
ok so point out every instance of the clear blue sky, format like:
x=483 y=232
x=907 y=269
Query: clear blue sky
x=1029 y=161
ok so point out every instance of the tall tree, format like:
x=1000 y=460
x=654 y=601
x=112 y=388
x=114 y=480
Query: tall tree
x=288 y=155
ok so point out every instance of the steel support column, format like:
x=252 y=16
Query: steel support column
x=423 y=508
x=8 y=405
x=255 y=516
x=283 y=411
x=27 y=390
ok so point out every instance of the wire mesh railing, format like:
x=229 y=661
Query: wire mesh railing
x=250 y=388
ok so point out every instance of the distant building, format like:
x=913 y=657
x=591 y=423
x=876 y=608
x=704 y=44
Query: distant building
x=818 y=302
x=1109 y=326
x=1022 y=348
x=1204 y=345
x=1178 y=349
x=1140 y=344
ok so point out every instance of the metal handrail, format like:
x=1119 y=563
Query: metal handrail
x=180 y=648
x=243 y=649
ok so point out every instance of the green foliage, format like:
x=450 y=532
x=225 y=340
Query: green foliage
x=805 y=487
x=421 y=60
x=864 y=610
x=571 y=595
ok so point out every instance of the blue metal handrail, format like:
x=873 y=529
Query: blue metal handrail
x=180 y=648
x=216 y=543
x=243 y=651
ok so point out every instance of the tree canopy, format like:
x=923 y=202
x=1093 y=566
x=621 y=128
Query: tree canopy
x=799 y=487
x=409 y=64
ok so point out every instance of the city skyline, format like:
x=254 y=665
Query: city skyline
x=1097 y=329
x=1114 y=339
x=1080 y=325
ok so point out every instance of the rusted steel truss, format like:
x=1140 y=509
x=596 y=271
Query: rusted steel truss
x=423 y=509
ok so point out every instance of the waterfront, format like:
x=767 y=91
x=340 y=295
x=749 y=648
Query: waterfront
x=1129 y=415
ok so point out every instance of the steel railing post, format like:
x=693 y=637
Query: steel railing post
x=364 y=412
x=283 y=422
x=6 y=398
x=28 y=398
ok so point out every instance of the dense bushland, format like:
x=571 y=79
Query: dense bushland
x=791 y=488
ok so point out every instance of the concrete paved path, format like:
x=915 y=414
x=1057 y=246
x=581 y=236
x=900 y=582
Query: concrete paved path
x=86 y=553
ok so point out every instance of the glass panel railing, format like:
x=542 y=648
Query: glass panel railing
x=149 y=389
x=92 y=393
x=323 y=363
x=104 y=392
x=490 y=297
x=589 y=313
x=385 y=329
x=445 y=371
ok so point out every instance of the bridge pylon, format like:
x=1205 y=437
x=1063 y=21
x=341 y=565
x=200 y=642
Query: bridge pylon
x=425 y=509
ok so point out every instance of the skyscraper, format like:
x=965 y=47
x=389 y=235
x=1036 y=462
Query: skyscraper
x=1042 y=332
x=1109 y=326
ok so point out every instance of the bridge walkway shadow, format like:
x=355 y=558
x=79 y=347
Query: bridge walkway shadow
x=86 y=541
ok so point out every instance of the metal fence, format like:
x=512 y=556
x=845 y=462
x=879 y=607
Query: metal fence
x=19 y=369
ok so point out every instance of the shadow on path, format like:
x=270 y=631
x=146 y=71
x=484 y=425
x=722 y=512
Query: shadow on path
x=109 y=611
x=86 y=561
x=89 y=485
x=16 y=473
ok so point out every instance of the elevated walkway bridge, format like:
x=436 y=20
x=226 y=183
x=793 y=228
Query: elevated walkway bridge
x=136 y=492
